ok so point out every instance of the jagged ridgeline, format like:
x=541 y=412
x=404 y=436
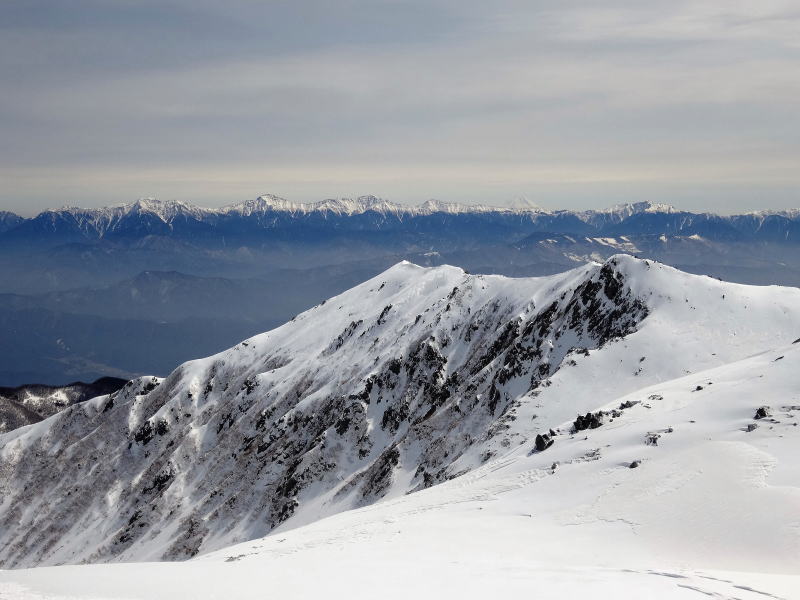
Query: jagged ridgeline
x=409 y=379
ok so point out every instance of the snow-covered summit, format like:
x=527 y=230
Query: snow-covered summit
x=640 y=207
x=620 y=212
x=339 y=206
x=362 y=204
x=408 y=380
x=789 y=213
x=166 y=210
x=100 y=221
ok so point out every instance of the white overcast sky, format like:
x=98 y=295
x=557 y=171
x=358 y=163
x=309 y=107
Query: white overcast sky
x=571 y=104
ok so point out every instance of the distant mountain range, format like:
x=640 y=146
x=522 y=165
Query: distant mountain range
x=141 y=287
x=271 y=214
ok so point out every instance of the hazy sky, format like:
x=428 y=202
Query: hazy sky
x=570 y=104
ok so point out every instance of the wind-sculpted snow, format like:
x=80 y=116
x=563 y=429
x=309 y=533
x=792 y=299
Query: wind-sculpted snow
x=405 y=381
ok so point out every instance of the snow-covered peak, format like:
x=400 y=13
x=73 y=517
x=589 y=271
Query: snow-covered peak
x=260 y=205
x=166 y=210
x=789 y=213
x=102 y=220
x=525 y=204
x=619 y=212
x=340 y=206
x=405 y=381
x=645 y=206
x=437 y=206
x=362 y=204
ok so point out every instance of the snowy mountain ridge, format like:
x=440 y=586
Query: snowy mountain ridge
x=409 y=380
x=270 y=219
x=167 y=210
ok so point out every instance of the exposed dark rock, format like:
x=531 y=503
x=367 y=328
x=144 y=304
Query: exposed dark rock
x=751 y=427
x=151 y=385
x=343 y=337
x=161 y=480
x=144 y=434
x=762 y=412
x=249 y=385
x=382 y=317
x=162 y=427
x=634 y=464
x=394 y=416
x=543 y=442
x=588 y=421
x=651 y=439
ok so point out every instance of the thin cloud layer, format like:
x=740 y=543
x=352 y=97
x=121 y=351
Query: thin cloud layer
x=570 y=104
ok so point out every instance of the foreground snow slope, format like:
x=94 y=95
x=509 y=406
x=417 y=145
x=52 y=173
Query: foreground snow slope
x=713 y=510
x=405 y=381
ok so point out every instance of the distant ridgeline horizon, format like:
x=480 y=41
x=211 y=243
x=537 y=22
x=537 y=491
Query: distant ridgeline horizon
x=174 y=218
x=142 y=287
x=167 y=209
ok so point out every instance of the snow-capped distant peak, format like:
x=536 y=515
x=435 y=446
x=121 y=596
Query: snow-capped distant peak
x=341 y=206
x=523 y=203
x=104 y=218
x=628 y=209
x=789 y=213
x=164 y=209
x=620 y=212
x=438 y=206
x=362 y=204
